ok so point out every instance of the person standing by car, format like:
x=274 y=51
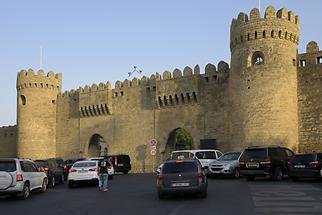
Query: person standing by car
x=103 y=175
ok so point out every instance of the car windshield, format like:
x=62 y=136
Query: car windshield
x=206 y=155
x=255 y=153
x=8 y=166
x=229 y=157
x=180 y=167
x=303 y=158
x=85 y=164
x=176 y=155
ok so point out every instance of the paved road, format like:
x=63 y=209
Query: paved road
x=136 y=194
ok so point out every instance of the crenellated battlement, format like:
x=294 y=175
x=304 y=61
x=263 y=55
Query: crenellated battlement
x=312 y=57
x=28 y=79
x=281 y=24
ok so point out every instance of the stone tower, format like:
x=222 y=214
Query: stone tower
x=263 y=79
x=36 y=114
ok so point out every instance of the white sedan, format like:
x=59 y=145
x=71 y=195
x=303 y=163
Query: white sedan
x=82 y=171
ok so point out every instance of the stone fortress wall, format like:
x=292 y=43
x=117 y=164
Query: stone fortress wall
x=276 y=101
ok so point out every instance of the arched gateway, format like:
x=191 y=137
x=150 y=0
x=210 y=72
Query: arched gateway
x=97 y=146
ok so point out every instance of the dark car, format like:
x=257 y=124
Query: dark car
x=54 y=169
x=269 y=161
x=68 y=164
x=182 y=176
x=305 y=166
x=121 y=163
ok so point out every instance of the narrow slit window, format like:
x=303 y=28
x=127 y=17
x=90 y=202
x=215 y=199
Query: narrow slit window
x=302 y=63
x=264 y=34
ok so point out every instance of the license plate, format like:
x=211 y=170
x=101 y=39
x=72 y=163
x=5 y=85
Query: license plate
x=299 y=166
x=82 y=171
x=252 y=165
x=180 y=184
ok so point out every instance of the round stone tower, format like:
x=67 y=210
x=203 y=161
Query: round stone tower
x=36 y=113
x=263 y=79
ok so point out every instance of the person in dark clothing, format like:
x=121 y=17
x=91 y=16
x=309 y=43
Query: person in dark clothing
x=103 y=175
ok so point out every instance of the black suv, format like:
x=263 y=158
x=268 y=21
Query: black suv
x=54 y=168
x=305 y=166
x=121 y=163
x=265 y=161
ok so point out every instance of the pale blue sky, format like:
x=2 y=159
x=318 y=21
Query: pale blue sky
x=98 y=41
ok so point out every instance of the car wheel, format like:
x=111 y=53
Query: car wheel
x=71 y=184
x=125 y=172
x=277 y=174
x=294 y=178
x=236 y=173
x=25 y=192
x=204 y=194
x=44 y=186
x=160 y=195
x=52 y=182
x=250 y=177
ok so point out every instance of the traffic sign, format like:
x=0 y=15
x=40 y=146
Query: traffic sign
x=153 y=152
x=153 y=142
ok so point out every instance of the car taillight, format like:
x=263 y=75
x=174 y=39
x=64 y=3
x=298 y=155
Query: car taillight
x=65 y=167
x=46 y=169
x=72 y=170
x=201 y=177
x=93 y=170
x=19 y=177
x=160 y=179
x=265 y=162
x=314 y=164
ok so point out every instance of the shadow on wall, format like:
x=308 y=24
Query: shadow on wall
x=141 y=155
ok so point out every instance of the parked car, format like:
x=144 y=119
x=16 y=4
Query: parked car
x=227 y=165
x=20 y=176
x=83 y=171
x=205 y=156
x=110 y=167
x=182 y=176
x=305 y=165
x=269 y=161
x=54 y=169
x=68 y=164
x=121 y=163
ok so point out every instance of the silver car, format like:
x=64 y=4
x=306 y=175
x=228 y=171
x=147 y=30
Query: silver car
x=20 y=176
x=227 y=165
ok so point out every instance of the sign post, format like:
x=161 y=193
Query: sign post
x=153 y=150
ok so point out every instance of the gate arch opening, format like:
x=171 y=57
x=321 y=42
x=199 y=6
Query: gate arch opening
x=178 y=139
x=97 y=146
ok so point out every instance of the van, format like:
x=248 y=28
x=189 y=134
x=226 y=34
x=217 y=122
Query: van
x=122 y=163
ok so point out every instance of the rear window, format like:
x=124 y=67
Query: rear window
x=8 y=166
x=304 y=158
x=206 y=155
x=41 y=163
x=255 y=153
x=176 y=155
x=229 y=157
x=179 y=167
x=85 y=164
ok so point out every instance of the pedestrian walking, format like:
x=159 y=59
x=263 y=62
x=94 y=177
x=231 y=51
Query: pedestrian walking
x=103 y=175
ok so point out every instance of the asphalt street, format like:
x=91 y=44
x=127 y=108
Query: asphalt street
x=136 y=194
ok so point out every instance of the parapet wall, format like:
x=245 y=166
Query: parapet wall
x=28 y=79
x=8 y=141
x=282 y=24
x=310 y=98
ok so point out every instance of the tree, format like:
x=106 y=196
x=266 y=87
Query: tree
x=183 y=138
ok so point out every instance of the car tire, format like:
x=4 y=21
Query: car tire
x=25 y=193
x=277 y=174
x=236 y=173
x=294 y=178
x=44 y=186
x=204 y=194
x=125 y=172
x=250 y=177
x=52 y=182
x=71 y=184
